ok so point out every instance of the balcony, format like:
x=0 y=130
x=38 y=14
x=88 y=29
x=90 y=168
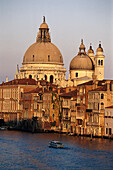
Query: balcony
x=66 y=106
x=80 y=115
x=92 y=124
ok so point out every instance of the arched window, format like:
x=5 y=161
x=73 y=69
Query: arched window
x=33 y=57
x=102 y=62
x=48 y=57
x=44 y=34
x=102 y=105
x=30 y=76
x=41 y=33
x=102 y=96
x=37 y=77
x=60 y=58
x=98 y=62
x=45 y=77
x=76 y=74
x=51 y=79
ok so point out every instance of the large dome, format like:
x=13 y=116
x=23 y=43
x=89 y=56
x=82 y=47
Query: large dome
x=43 y=52
x=81 y=62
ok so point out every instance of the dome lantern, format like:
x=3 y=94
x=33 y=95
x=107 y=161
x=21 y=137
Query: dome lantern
x=43 y=34
x=90 y=49
x=82 y=48
x=99 y=49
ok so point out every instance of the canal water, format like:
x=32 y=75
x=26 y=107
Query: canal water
x=21 y=150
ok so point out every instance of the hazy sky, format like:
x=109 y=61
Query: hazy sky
x=69 y=21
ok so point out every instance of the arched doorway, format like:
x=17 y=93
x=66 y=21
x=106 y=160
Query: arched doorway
x=51 y=79
x=45 y=77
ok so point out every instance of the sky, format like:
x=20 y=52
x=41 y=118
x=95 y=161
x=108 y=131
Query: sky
x=69 y=22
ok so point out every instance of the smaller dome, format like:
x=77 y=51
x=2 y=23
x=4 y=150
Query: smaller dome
x=99 y=49
x=81 y=62
x=43 y=25
x=90 y=49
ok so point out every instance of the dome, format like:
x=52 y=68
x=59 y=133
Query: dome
x=43 y=52
x=90 y=49
x=81 y=62
x=43 y=25
x=99 y=49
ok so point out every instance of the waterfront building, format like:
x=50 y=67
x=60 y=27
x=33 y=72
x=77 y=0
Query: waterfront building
x=98 y=99
x=10 y=94
x=38 y=104
x=108 y=121
x=82 y=105
x=68 y=111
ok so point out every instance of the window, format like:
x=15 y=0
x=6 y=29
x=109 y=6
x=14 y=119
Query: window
x=102 y=105
x=102 y=96
x=98 y=62
x=44 y=34
x=37 y=77
x=53 y=106
x=60 y=58
x=109 y=131
x=48 y=57
x=79 y=122
x=101 y=62
x=45 y=77
x=33 y=57
x=76 y=74
x=106 y=130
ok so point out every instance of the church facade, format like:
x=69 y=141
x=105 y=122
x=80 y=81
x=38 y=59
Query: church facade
x=44 y=61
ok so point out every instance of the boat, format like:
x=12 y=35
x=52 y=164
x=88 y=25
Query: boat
x=3 y=128
x=56 y=144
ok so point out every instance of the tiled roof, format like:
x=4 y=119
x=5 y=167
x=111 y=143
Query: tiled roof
x=86 y=83
x=70 y=94
x=102 y=88
x=26 y=81
x=109 y=107
x=37 y=90
x=20 y=82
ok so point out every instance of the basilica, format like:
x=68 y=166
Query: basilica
x=44 y=61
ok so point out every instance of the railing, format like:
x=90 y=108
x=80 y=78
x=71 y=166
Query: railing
x=80 y=115
x=66 y=118
x=66 y=106
x=92 y=123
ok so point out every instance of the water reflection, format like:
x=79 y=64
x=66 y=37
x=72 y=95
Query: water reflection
x=26 y=150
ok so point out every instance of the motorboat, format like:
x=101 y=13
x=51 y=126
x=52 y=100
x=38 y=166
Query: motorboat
x=3 y=128
x=56 y=144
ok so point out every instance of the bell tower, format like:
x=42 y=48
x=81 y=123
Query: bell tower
x=99 y=63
